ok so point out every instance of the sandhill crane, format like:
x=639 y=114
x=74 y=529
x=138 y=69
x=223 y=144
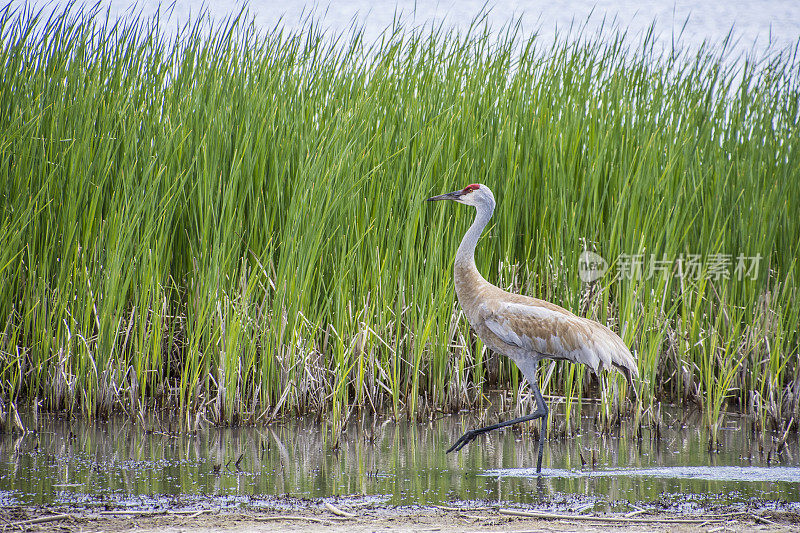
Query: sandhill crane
x=523 y=328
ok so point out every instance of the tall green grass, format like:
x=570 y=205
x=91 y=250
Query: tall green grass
x=232 y=224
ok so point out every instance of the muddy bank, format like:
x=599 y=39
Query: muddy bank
x=320 y=516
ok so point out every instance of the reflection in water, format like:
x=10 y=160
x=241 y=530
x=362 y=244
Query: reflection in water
x=390 y=462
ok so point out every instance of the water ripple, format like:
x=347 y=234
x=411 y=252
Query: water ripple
x=784 y=474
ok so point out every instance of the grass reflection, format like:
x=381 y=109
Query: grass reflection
x=395 y=462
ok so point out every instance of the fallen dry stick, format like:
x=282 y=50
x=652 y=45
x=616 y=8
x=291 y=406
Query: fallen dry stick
x=513 y=512
x=335 y=510
x=761 y=520
x=41 y=520
x=193 y=514
x=288 y=517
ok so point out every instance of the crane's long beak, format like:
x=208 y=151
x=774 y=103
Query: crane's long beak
x=455 y=195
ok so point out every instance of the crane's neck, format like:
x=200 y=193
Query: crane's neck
x=465 y=257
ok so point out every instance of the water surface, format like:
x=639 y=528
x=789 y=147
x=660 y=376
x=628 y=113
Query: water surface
x=120 y=462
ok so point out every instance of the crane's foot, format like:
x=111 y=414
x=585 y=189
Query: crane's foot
x=465 y=439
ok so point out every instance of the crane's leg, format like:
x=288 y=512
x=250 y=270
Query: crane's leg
x=529 y=371
x=541 y=412
x=540 y=406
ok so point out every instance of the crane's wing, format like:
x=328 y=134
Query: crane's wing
x=558 y=334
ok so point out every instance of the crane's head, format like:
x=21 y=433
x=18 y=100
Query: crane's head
x=476 y=195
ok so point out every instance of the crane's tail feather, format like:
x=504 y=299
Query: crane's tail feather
x=629 y=374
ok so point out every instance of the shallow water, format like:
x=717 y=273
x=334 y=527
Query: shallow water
x=382 y=462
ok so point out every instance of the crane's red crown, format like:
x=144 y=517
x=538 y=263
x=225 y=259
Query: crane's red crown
x=472 y=187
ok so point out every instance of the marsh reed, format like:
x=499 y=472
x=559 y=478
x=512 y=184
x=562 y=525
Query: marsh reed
x=231 y=223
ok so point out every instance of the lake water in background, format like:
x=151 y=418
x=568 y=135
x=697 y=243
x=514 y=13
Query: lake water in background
x=756 y=24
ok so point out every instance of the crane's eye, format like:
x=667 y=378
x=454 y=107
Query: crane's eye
x=470 y=188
